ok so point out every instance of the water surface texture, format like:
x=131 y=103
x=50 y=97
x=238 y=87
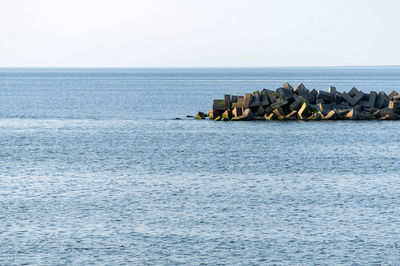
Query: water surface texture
x=94 y=170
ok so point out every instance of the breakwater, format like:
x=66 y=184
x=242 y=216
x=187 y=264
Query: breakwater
x=300 y=103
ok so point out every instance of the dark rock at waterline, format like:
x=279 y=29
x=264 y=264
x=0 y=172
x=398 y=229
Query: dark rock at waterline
x=200 y=115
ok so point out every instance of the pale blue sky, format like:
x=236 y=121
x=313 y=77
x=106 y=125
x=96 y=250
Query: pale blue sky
x=203 y=33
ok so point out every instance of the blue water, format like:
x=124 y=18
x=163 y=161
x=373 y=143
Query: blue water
x=94 y=170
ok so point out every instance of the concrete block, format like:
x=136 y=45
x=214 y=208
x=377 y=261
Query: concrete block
x=367 y=109
x=326 y=96
x=271 y=116
x=352 y=115
x=364 y=104
x=236 y=112
x=343 y=105
x=373 y=110
x=247 y=100
x=306 y=111
x=292 y=115
x=353 y=92
x=264 y=92
x=255 y=99
x=219 y=105
x=394 y=106
x=365 y=115
x=200 y=115
x=227 y=115
x=343 y=112
x=315 y=116
x=279 y=113
x=301 y=90
x=286 y=109
x=287 y=86
x=272 y=96
x=332 y=90
x=234 y=105
x=279 y=103
x=385 y=100
x=379 y=100
x=268 y=110
x=325 y=108
x=365 y=97
x=284 y=93
x=260 y=111
x=295 y=105
x=333 y=115
x=264 y=100
x=211 y=114
x=392 y=94
x=372 y=98
x=391 y=117
x=396 y=98
x=353 y=100
x=338 y=97
x=382 y=112
x=227 y=99
x=313 y=92
x=246 y=116
x=338 y=94
x=234 y=99
x=240 y=101
x=309 y=98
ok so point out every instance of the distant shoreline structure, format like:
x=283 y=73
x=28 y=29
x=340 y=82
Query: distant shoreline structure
x=300 y=103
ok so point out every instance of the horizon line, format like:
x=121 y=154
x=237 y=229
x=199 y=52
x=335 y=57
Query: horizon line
x=187 y=67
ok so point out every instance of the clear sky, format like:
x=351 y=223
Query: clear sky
x=202 y=33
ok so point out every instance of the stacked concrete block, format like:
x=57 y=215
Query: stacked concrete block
x=300 y=103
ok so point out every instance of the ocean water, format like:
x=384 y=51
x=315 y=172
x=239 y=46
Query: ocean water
x=95 y=170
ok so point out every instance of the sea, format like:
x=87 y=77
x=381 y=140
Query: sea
x=96 y=169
